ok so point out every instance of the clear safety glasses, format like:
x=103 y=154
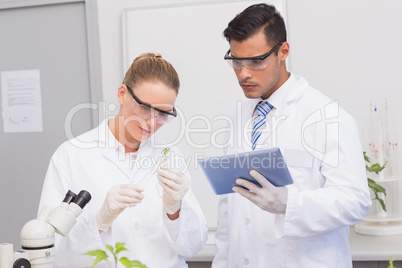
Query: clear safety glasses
x=251 y=63
x=147 y=111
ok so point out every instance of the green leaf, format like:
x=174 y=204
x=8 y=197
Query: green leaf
x=381 y=201
x=375 y=168
x=99 y=254
x=138 y=264
x=110 y=248
x=382 y=204
x=376 y=187
x=126 y=262
x=129 y=264
x=120 y=247
x=366 y=158
x=165 y=151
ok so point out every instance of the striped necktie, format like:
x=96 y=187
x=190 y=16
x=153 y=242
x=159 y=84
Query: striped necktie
x=259 y=121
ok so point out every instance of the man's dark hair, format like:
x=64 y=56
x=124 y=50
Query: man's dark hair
x=252 y=20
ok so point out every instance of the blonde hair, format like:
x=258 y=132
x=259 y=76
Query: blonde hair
x=151 y=67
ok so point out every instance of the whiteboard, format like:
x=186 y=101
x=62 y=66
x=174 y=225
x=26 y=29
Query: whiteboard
x=190 y=37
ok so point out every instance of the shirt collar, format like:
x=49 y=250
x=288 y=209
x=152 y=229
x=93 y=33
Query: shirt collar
x=106 y=137
x=278 y=97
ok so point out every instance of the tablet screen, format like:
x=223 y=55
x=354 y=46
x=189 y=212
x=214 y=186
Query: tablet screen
x=222 y=171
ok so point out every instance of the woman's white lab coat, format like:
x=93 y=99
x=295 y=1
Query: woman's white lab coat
x=95 y=162
x=321 y=146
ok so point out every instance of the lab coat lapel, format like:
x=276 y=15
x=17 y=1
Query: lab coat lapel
x=280 y=114
x=110 y=147
x=274 y=120
x=147 y=164
x=116 y=158
x=246 y=120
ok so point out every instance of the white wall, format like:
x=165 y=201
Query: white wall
x=347 y=49
x=350 y=50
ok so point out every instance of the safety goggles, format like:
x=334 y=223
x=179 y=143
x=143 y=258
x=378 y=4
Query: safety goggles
x=147 y=111
x=251 y=63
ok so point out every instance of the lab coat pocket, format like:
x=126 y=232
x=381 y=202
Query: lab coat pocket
x=311 y=253
x=300 y=164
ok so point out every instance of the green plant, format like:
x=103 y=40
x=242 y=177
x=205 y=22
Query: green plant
x=391 y=262
x=165 y=151
x=376 y=188
x=102 y=255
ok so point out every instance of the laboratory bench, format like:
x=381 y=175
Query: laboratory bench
x=367 y=251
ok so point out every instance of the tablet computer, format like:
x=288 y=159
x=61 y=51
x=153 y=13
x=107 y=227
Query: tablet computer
x=222 y=171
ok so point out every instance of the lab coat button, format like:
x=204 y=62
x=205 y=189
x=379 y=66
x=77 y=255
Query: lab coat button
x=136 y=226
x=246 y=261
x=247 y=221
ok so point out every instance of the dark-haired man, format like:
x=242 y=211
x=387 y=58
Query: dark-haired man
x=307 y=223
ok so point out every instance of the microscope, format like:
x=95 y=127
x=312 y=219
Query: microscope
x=37 y=236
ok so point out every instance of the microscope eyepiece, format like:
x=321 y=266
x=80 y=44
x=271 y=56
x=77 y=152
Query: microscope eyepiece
x=69 y=197
x=82 y=198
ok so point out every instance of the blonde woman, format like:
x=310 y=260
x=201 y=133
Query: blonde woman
x=151 y=209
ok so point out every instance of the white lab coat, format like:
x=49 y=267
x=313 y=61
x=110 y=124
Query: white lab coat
x=94 y=162
x=321 y=146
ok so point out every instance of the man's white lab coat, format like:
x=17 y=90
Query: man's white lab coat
x=95 y=162
x=321 y=146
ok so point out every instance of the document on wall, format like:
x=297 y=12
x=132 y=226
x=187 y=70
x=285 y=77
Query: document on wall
x=21 y=101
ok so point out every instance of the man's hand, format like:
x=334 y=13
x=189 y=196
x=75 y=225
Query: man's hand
x=175 y=185
x=118 y=199
x=269 y=198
